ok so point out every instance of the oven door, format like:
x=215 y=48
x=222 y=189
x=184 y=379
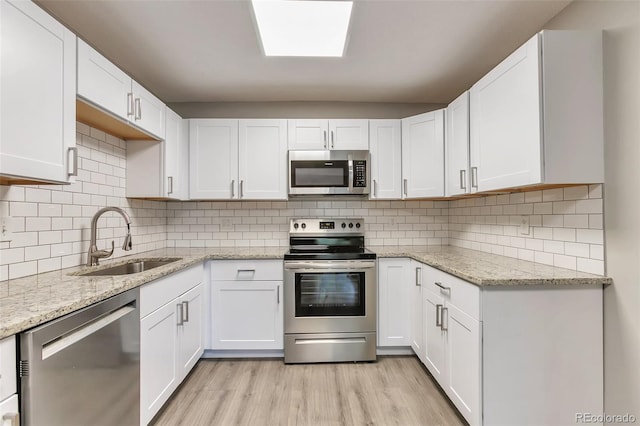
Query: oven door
x=330 y=296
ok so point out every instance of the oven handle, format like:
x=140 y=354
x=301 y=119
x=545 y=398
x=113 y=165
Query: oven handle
x=358 y=264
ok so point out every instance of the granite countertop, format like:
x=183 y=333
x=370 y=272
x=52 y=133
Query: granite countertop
x=33 y=300
x=485 y=269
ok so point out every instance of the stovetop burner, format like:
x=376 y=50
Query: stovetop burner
x=327 y=239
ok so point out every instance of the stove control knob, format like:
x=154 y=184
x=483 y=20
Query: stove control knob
x=304 y=225
x=351 y=225
x=358 y=225
x=344 y=225
x=295 y=226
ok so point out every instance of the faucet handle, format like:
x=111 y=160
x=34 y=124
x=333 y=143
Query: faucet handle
x=100 y=254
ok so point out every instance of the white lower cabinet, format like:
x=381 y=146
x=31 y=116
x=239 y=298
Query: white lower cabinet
x=416 y=310
x=452 y=339
x=9 y=409
x=171 y=336
x=394 y=294
x=246 y=305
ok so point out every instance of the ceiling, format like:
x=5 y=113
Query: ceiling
x=398 y=50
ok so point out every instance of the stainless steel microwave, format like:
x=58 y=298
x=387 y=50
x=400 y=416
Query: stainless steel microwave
x=332 y=172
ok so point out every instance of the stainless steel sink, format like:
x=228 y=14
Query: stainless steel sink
x=132 y=267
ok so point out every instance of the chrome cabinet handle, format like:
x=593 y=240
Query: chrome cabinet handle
x=418 y=274
x=180 y=313
x=375 y=189
x=246 y=270
x=325 y=139
x=442 y=288
x=130 y=105
x=278 y=294
x=474 y=177
x=439 y=315
x=185 y=311
x=73 y=160
x=138 y=109
x=332 y=144
x=405 y=186
x=233 y=188
x=241 y=188
x=170 y=183
x=444 y=311
x=463 y=178
x=13 y=418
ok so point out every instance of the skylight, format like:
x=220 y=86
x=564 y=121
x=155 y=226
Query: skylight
x=303 y=27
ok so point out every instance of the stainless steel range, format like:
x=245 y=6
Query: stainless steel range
x=330 y=293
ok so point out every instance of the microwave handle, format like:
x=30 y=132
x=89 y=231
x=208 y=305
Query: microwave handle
x=350 y=176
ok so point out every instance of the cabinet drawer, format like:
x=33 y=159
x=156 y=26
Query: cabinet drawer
x=247 y=270
x=157 y=293
x=7 y=367
x=464 y=295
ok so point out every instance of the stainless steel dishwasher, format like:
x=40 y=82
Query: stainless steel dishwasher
x=84 y=368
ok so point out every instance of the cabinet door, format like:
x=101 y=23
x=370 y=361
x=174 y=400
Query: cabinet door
x=505 y=122
x=457 y=147
x=423 y=155
x=158 y=359
x=247 y=315
x=263 y=159
x=416 y=311
x=349 y=134
x=176 y=157
x=148 y=111
x=213 y=159
x=308 y=134
x=386 y=159
x=190 y=333
x=37 y=94
x=9 y=411
x=103 y=84
x=463 y=363
x=435 y=336
x=394 y=287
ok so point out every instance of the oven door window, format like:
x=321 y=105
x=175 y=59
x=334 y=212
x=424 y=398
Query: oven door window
x=330 y=294
x=319 y=174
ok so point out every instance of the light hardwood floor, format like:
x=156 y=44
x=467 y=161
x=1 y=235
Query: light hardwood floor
x=392 y=391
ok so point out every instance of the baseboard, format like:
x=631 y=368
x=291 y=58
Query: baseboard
x=394 y=350
x=210 y=353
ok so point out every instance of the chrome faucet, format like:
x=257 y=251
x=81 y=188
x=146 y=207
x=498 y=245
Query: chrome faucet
x=95 y=254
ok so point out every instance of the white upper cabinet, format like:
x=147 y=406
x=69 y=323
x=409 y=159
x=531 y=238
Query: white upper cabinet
x=213 y=159
x=104 y=85
x=386 y=159
x=263 y=159
x=536 y=118
x=160 y=169
x=148 y=111
x=238 y=159
x=308 y=134
x=423 y=155
x=37 y=96
x=457 y=179
x=311 y=134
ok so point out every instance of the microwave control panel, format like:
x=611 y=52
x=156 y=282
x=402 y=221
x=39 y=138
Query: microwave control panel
x=359 y=174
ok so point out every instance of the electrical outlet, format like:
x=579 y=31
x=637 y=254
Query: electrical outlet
x=5 y=229
x=226 y=224
x=524 y=228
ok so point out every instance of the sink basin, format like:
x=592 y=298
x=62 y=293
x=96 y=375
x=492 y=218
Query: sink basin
x=132 y=267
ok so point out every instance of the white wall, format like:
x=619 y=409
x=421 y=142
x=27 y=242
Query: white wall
x=299 y=109
x=51 y=223
x=620 y=21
